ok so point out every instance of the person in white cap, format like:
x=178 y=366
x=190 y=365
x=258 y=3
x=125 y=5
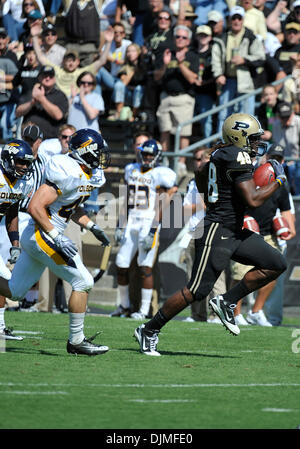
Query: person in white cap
x=203 y=7
x=216 y=21
x=234 y=58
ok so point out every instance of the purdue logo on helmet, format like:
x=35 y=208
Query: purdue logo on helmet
x=244 y=131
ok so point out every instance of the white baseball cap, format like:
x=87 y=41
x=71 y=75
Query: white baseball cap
x=215 y=16
x=237 y=11
x=295 y=4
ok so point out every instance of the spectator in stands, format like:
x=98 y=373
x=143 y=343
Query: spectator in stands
x=47 y=106
x=29 y=69
x=51 y=50
x=85 y=106
x=264 y=216
x=82 y=28
x=150 y=20
x=261 y=6
x=66 y=76
x=154 y=46
x=290 y=47
x=233 y=61
x=205 y=89
x=137 y=10
x=286 y=132
x=33 y=18
x=129 y=88
x=266 y=112
x=186 y=16
x=59 y=144
x=14 y=16
x=277 y=18
x=215 y=20
x=294 y=13
x=116 y=58
x=177 y=70
x=254 y=19
x=203 y=7
x=8 y=70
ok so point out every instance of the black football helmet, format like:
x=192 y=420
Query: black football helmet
x=150 y=147
x=89 y=148
x=17 y=151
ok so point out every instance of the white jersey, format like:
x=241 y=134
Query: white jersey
x=73 y=186
x=142 y=188
x=193 y=197
x=11 y=192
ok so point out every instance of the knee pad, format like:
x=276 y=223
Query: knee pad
x=84 y=283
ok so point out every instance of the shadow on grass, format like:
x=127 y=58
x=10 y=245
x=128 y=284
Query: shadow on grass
x=33 y=351
x=182 y=353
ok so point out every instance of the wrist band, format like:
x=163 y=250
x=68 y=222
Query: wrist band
x=89 y=225
x=153 y=230
x=14 y=235
x=279 y=181
x=53 y=233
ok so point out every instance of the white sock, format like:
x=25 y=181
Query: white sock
x=32 y=296
x=146 y=300
x=76 y=321
x=2 y=322
x=123 y=291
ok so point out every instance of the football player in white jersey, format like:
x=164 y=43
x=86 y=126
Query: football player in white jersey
x=69 y=180
x=15 y=185
x=145 y=179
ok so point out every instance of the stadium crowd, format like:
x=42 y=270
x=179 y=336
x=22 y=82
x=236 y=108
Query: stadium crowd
x=67 y=65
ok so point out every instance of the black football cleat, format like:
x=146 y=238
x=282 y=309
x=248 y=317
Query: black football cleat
x=86 y=347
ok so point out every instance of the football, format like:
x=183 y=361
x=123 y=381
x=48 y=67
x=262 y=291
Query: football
x=251 y=224
x=264 y=175
x=280 y=226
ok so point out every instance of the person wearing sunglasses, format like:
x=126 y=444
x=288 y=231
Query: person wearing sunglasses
x=46 y=105
x=234 y=60
x=290 y=48
x=177 y=71
x=50 y=48
x=86 y=105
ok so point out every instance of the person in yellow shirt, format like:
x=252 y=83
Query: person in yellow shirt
x=67 y=75
x=254 y=19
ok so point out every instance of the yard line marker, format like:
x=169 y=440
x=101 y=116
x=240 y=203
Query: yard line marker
x=280 y=410
x=166 y=401
x=28 y=332
x=35 y=392
x=13 y=384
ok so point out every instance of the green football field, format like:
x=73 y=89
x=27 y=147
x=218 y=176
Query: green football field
x=205 y=378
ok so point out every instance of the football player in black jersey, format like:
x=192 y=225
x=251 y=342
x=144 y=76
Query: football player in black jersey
x=230 y=189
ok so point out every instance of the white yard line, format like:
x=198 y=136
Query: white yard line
x=50 y=393
x=280 y=410
x=65 y=385
x=164 y=401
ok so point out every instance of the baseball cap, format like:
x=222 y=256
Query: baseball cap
x=34 y=14
x=284 y=109
x=47 y=70
x=73 y=53
x=32 y=132
x=3 y=32
x=276 y=150
x=296 y=4
x=28 y=47
x=237 y=11
x=49 y=27
x=293 y=26
x=215 y=16
x=203 y=29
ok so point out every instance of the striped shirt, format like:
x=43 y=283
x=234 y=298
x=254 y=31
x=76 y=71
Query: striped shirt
x=38 y=178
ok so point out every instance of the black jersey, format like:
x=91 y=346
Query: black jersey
x=228 y=166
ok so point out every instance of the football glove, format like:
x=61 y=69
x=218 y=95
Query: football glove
x=119 y=236
x=100 y=235
x=148 y=240
x=277 y=167
x=67 y=247
x=15 y=252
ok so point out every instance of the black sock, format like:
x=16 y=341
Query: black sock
x=236 y=293
x=157 y=322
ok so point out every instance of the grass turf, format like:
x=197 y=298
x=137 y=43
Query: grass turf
x=205 y=379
